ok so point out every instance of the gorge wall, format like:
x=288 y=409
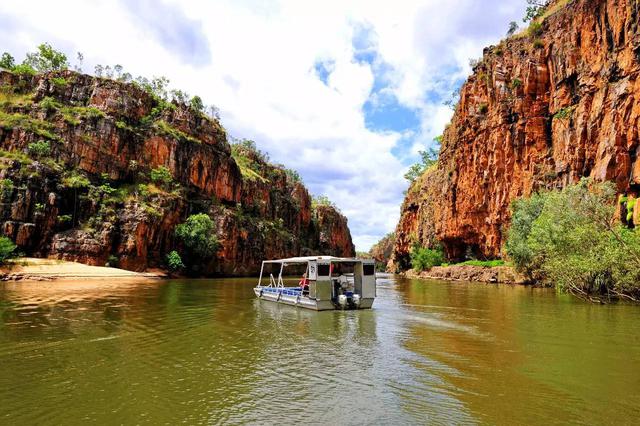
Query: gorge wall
x=91 y=198
x=544 y=108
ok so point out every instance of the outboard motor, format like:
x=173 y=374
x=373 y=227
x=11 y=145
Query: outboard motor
x=356 y=300
x=342 y=301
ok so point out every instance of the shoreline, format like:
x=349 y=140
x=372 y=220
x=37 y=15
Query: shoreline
x=476 y=274
x=30 y=269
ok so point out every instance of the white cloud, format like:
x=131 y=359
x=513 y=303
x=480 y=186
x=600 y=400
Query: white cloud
x=261 y=75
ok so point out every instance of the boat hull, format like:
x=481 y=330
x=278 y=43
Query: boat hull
x=289 y=297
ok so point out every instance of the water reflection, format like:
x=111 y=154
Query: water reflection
x=209 y=352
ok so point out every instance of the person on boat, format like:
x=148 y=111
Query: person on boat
x=304 y=283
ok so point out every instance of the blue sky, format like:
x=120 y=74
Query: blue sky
x=346 y=92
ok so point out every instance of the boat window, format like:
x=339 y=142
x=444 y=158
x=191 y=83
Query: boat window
x=323 y=270
x=369 y=269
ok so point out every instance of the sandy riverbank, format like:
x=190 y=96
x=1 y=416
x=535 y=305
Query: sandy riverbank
x=497 y=274
x=32 y=269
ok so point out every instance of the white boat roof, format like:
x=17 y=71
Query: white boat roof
x=306 y=259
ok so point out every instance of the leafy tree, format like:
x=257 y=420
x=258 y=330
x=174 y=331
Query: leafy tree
x=98 y=70
x=293 y=175
x=513 y=27
x=535 y=9
x=7 y=249
x=174 y=261
x=117 y=69
x=47 y=59
x=197 y=104
x=423 y=258
x=80 y=59
x=198 y=235
x=179 y=96
x=428 y=158
x=322 y=200
x=39 y=149
x=7 y=62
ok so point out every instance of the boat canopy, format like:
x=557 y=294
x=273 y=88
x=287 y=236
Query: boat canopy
x=302 y=260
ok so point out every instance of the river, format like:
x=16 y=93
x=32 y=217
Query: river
x=206 y=351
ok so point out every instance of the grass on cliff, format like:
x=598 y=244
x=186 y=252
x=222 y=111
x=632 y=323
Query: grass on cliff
x=22 y=121
x=168 y=130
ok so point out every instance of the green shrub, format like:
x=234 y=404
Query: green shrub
x=59 y=82
x=538 y=44
x=423 y=258
x=39 y=149
x=483 y=108
x=564 y=113
x=112 y=261
x=174 y=261
x=6 y=187
x=161 y=176
x=7 y=249
x=515 y=83
x=198 y=235
x=24 y=70
x=570 y=240
x=64 y=219
x=49 y=104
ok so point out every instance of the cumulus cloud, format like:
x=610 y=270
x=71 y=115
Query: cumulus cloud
x=346 y=92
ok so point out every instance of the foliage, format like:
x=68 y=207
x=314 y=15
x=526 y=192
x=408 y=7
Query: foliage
x=174 y=261
x=570 y=239
x=75 y=180
x=197 y=104
x=483 y=263
x=322 y=200
x=535 y=9
x=513 y=27
x=39 y=149
x=64 y=219
x=293 y=176
x=112 y=261
x=534 y=30
x=515 y=83
x=7 y=62
x=483 y=108
x=177 y=134
x=538 y=44
x=6 y=187
x=16 y=120
x=423 y=258
x=7 y=249
x=47 y=59
x=162 y=176
x=428 y=159
x=248 y=158
x=59 y=82
x=198 y=235
x=564 y=113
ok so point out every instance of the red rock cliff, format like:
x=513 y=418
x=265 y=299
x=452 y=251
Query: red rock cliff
x=541 y=110
x=114 y=134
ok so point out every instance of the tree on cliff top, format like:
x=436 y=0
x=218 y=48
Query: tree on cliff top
x=47 y=59
x=428 y=159
x=535 y=9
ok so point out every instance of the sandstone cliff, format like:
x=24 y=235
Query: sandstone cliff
x=91 y=198
x=542 y=109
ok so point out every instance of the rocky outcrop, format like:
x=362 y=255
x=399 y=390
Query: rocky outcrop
x=93 y=198
x=383 y=249
x=495 y=274
x=544 y=108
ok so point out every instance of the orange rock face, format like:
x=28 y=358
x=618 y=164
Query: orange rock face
x=540 y=111
x=113 y=133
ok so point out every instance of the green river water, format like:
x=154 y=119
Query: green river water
x=206 y=351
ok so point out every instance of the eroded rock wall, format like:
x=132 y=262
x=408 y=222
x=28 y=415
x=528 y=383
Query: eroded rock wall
x=541 y=110
x=115 y=134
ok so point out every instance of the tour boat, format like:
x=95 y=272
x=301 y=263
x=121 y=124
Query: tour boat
x=327 y=282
